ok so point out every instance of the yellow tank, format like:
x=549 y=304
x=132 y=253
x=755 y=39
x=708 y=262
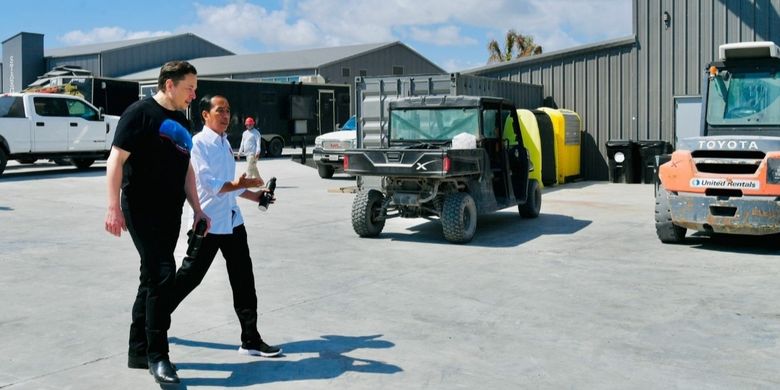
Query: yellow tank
x=532 y=142
x=567 y=127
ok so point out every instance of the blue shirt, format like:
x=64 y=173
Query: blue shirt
x=214 y=165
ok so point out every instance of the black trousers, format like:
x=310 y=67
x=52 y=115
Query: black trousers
x=155 y=239
x=235 y=250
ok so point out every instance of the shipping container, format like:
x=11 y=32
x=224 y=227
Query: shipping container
x=374 y=94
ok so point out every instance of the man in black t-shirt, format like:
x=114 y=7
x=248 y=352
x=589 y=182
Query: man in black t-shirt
x=150 y=162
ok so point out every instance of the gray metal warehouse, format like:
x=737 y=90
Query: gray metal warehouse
x=336 y=65
x=111 y=59
x=24 y=58
x=627 y=88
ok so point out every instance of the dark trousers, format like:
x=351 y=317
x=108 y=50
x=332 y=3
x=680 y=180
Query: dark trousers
x=155 y=239
x=235 y=250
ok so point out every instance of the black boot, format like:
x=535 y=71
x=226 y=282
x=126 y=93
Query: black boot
x=163 y=372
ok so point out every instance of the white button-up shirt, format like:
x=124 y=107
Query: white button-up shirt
x=214 y=165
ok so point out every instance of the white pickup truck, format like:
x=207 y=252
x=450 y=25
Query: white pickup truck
x=53 y=126
x=329 y=148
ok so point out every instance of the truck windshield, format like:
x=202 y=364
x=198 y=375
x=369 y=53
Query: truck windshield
x=433 y=124
x=744 y=99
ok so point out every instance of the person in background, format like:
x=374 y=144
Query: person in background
x=150 y=162
x=215 y=170
x=251 y=146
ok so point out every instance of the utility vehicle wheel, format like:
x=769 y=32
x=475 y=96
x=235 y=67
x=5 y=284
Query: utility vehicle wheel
x=533 y=205
x=325 y=171
x=83 y=163
x=459 y=217
x=61 y=161
x=667 y=232
x=3 y=160
x=367 y=220
x=275 y=147
x=28 y=160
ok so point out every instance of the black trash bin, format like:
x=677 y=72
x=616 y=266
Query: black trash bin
x=621 y=155
x=647 y=162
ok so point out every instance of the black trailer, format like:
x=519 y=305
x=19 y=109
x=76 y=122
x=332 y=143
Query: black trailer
x=285 y=114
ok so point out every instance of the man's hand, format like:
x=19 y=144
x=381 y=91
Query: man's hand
x=257 y=156
x=255 y=196
x=245 y=182
x=115 y=221
x=201 y=215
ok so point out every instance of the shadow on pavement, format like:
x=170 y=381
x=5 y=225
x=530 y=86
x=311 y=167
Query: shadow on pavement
x=51 y=172
x=331 y=362
x=735 y=243
x=496 y=230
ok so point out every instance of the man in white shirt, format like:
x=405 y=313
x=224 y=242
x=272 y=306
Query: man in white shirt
x=251 y=146
x=215 y=169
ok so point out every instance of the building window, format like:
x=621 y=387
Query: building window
x=345 y=72
x=398 y=70
x=363 y=73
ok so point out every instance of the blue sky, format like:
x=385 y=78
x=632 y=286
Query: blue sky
x=452 y=33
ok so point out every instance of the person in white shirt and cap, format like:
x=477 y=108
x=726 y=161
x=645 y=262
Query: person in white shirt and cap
x=251 y=146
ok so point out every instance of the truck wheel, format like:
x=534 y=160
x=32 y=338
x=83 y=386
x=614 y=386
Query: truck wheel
x=275 y=147
x=83 y=163
x=28 y=160
x=3 y=160
x=366 y=218
x=532 y=206
x=264 y=148
x=325 y=171
x=459 y=217
x=667 y=232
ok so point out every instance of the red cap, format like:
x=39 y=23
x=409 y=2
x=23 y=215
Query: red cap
x=249 y=121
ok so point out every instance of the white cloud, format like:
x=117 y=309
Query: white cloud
x=105 y=34
x=452 y=33
x=240 y=24
x=232 y=25
x=442 y=36
x=581 y=21
x=560 y=24
x=457 y=64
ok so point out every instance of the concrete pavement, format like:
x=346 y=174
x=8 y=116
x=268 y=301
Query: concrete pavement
x=584 y=297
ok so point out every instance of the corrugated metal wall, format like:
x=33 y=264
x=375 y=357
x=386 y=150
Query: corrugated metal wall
x=624 y=89
x=597 y=82
x=379 y=63
x=674 y=51
x=137 y=58
x=89 y=62
x=119 y=62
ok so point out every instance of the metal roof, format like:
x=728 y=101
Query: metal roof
x=629 y=40
x=268 y=62
x=109 y=46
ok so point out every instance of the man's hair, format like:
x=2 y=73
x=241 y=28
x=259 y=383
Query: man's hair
x=175 y=71
x=205 y=102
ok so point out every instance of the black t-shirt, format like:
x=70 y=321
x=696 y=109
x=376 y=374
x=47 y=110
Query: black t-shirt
x=154 y=174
